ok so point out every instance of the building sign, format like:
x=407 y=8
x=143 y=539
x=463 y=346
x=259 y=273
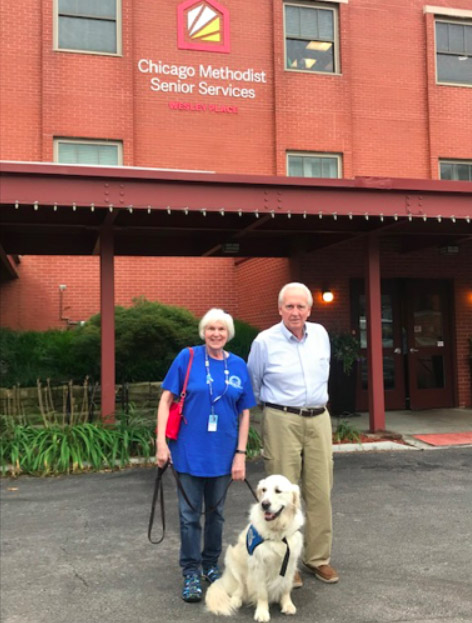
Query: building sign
x=203 y=25
x=206 y=80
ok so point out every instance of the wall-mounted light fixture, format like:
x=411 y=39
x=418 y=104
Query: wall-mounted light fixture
x=327 y=295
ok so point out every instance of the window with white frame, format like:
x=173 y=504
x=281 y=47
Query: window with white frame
x=311 y=37
x=88 y=26
x=459 y=170
x=95 y=152
x=454 y=51
x=314 y=165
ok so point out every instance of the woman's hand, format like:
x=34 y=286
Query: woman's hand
x=238 y=470
x=163 y=454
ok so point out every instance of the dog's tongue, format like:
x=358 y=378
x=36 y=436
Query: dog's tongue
x=269 y=516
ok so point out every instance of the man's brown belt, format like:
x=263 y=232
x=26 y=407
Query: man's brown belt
x=303 y=411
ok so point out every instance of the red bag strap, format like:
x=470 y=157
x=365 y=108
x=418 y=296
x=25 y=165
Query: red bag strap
x=184 y=388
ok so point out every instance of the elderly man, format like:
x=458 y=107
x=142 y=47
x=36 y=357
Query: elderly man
x=289 y=368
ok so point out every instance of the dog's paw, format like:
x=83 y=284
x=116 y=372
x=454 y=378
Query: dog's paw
x=289 y=608
x=236 y=602
x=261 y=615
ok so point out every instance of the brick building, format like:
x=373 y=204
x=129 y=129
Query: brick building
x=350 y=89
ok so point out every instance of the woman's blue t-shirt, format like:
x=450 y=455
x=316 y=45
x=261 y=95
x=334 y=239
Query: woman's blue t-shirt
x=197 y=451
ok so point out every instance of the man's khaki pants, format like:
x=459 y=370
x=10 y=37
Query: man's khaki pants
x=300 y=448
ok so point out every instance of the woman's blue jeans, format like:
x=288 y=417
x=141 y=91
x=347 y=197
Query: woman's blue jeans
x=212 y=491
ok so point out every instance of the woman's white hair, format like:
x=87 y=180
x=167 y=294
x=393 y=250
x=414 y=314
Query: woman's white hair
x=216 y=315
x=295 y=285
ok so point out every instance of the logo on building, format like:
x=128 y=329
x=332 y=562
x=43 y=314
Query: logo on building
x=203 y=25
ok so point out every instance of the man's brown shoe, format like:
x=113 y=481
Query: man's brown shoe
x=297 y=580
x=325 y=573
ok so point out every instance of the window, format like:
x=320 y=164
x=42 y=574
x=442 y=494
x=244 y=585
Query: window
x=311 y=41
x=454 y=52
x=314 y=165
x=71 y=151
x=88 y=26
x=460 y=170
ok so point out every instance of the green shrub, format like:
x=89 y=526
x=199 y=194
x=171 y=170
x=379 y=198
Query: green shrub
x=345 y=347
x=148 y=337
x=28 y=355
x=243 y=338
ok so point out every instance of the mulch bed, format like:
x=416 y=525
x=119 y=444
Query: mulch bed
x=373 y=437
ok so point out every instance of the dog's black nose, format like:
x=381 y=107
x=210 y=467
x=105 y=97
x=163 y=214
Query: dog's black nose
x=265 y=505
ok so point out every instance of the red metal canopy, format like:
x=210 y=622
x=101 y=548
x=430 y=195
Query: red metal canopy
x=62 y=209
x=157 y=212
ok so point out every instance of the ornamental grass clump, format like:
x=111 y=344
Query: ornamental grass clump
x=254 y=443
x=56 y=449
x=345 y=431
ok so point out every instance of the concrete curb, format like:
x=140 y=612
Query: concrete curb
x=371 y=447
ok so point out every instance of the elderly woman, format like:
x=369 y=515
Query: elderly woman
x=211 y=445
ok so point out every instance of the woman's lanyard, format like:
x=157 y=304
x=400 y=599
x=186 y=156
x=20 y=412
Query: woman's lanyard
x=213 y=419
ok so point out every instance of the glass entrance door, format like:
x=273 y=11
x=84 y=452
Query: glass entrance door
x=416 y=341
x=393 y=369
x=429 y=345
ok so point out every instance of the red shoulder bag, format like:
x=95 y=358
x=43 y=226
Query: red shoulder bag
x=176 y=408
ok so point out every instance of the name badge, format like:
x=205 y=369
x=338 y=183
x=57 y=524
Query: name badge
x=212 y=423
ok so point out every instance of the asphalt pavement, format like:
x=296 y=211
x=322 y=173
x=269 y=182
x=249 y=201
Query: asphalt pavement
x=74 y=549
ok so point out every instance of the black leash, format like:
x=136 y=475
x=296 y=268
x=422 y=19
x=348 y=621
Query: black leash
x=158 y=488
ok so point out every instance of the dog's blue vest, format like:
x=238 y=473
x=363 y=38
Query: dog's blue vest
x=253 y=539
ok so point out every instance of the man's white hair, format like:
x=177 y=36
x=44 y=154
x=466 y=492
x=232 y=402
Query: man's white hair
x=296 y=285
x=216 y=315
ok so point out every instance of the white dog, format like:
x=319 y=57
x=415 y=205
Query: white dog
x=259 y=569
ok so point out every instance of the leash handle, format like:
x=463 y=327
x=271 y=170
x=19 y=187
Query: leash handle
x=158 y=488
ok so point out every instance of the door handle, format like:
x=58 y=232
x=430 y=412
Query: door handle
x=414 y=350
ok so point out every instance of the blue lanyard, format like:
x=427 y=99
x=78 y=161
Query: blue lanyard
x=213 y=401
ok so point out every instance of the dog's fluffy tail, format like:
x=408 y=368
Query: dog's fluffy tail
x=217 y=599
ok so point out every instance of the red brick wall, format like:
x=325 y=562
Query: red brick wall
x=20 y=84
x=258 y=283
x=385 y=114
x=33 y=300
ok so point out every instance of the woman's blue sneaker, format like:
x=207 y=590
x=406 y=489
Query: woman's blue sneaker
x=212 y=574
x=192 y=589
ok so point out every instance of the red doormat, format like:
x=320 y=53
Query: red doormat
x=446 y=439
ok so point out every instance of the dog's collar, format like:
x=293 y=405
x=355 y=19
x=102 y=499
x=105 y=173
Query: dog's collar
x=253 y=539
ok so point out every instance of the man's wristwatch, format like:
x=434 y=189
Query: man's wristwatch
x=240 y=452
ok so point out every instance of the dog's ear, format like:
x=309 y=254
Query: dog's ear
x=260 y=486
x=296 y=496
